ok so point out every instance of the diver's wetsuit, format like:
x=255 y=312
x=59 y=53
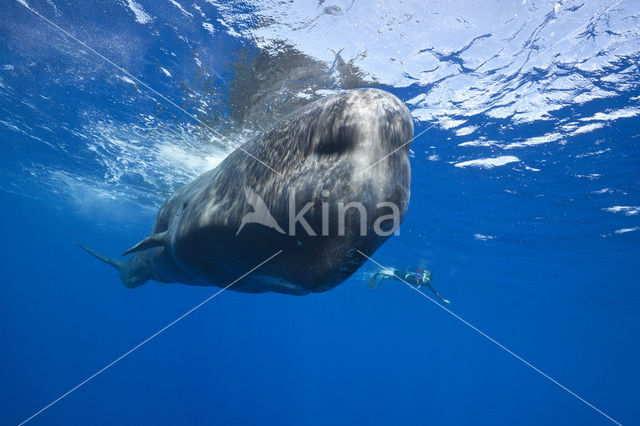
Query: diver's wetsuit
x=408 y=277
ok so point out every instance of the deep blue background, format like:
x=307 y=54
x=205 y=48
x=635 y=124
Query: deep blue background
x=564 y=300
x=556 y=285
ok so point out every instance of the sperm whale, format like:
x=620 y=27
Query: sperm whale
x=329 y=180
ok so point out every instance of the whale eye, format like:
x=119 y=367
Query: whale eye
x=339 y=142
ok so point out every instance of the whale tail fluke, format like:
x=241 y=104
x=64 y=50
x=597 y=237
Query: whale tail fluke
x=133 y=272
x=106 y=259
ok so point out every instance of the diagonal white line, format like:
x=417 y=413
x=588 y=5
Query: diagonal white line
x=398 y=148
x=112 y=363
x=500 y=345
x=142 y=83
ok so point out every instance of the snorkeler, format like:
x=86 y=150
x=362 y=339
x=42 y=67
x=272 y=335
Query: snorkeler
x=418 y=278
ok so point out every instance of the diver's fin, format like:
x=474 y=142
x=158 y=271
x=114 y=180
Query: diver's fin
x=106 y=259
x=153 y=241
x=371 y=281
x=132 y=273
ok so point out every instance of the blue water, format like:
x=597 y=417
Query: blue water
x=524 y=205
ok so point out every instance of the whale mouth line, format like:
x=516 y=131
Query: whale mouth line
x=265 y=283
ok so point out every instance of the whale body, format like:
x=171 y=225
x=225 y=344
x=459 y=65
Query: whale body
x=351 y=147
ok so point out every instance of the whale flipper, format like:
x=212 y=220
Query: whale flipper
x=153 y=241
x=106 y=259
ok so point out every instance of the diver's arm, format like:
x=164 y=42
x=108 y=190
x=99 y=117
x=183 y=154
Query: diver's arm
x=428 y=284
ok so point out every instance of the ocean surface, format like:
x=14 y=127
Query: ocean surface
x=525 y=205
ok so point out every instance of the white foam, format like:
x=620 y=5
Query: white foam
x=448 y=123
x=488 y=163
x=146 y=162
x=614 y=115
x=593 y=94
x=627 y=210
x=493 y=43
x=593 y=153
x=479 y=143
x=209 y=27
x=182 y=9
x=482 y=237
x=603 y=191
x=141 y=15
x=229 y=28
x=464 y=131
x=538 y=140
x=126 y=79
x=625 y=230
x=199 y=9
x=590 y=176
x=587 y=128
